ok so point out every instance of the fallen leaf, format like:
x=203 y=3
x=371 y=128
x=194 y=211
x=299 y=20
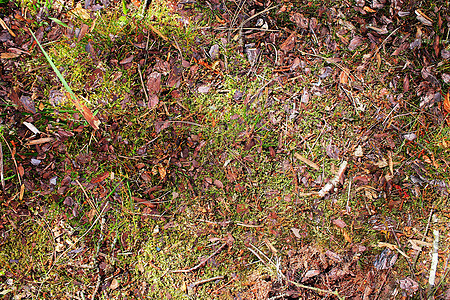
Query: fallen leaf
x=355 y=43
x=27 y=104
x=309 y=274
x=8 y=55
x=80 y=12
x=289 y=43
x=339 y=223
x=114 y=284
x=126 y=60
x=447 y=103
x=85 y=111
x=307 y=161
x=218 y=183
x=296 y=232
x=100 y=178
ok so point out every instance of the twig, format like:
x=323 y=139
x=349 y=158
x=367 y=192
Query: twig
x=200 y=282
x=143 y=85
x=334 y=181
x=2 y=178
x=87 y=196
x=250 y=18
x=201 y=263
x=68 y=249
x=434 y=259
x=99 y=277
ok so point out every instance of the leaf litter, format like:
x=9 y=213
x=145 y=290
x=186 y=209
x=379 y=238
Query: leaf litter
x=284 y=145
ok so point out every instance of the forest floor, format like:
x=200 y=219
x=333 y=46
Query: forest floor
x=225 y=150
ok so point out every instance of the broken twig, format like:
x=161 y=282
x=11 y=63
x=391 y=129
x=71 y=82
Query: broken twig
x=201 y=263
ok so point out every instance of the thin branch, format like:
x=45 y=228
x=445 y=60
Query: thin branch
x=201 y=263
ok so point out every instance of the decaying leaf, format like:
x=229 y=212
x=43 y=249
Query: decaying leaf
x=446 y=103
x=85 y=111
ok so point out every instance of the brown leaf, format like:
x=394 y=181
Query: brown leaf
x=100 y=178
x=447 y=103
x=8 y=55
x=339 y=223
x=85 y=111
x=144 y=201
x=343 y=77
x=162 y=172
x=289 y=43
x=355 y=43
x=401 y=48
x=126 y=60
x=27 y=104
x=406 y=84
x=20 y=170
x=154 y=83
x=218 y=183
x=300 y=20
x=309 y=274
x=153 y=101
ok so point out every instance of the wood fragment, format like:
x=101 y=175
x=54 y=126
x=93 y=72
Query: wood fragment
x=334 y=181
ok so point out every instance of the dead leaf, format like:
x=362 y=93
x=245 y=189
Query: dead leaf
x=339 y=223
x=289 y=43
x=126 y=60
x=218 y=183
x=100 y=178
x=80 y=12
x=114 y=284
x=85 y=111
x=309 y=274
x=343 y=77
x=355 y=43
x=154 y=83
x=204 y=89
x=300 y=20
x=153 y=101
x=296 y=232
x=8 y=55
x=162 y=172
x=446 y=103
x=27 y=104
x=39 y=141
x=307 y=161
x=424 y=19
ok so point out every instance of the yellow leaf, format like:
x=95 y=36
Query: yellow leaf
x=80 y=12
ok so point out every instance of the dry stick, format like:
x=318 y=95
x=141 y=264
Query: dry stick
x=2 y=178
x=202 y=263
x=69 y=248
x=399 y=249
x=91 y=203
x=252 y=17
x=143 y=85
x=423 y=239
x=200 y=282
x=97 y=266
x=334 y=181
